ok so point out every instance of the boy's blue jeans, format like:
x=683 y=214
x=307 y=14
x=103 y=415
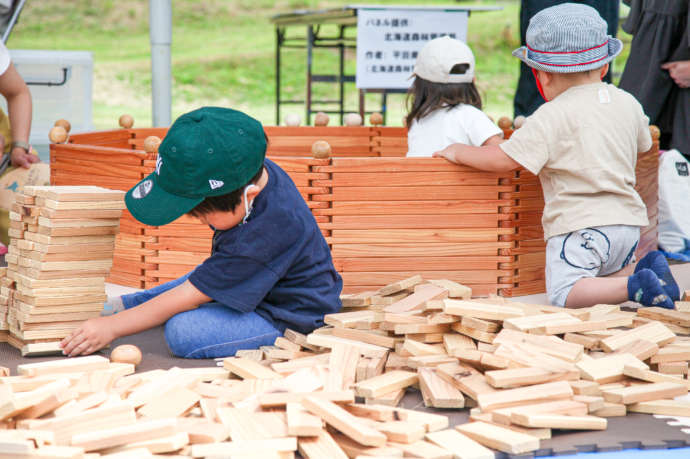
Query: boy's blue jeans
x=212 y=330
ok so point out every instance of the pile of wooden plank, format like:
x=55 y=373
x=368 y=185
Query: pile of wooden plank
x=62 y=242
x=524 y=370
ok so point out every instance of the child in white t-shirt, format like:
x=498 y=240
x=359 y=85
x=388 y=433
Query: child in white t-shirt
x=443 y=103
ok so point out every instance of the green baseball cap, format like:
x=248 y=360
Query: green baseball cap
x=207 y=152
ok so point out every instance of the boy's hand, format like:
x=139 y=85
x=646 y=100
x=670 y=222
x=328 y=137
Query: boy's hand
x=91 y=336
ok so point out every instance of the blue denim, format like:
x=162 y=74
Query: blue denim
x=211 y=330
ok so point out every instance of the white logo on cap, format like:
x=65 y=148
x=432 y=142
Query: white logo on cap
x=142 y=189
x=159 y=163
x=216 y=183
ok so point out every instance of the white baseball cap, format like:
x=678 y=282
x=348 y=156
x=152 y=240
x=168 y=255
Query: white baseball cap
x=439 y=56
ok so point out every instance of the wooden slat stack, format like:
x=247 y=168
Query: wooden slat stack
x=524 y=370
x=60 y=253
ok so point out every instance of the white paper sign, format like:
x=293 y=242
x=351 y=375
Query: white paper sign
x=388 y=41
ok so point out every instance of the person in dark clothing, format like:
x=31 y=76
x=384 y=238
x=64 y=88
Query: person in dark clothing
x=658 y=70
x=527 y=98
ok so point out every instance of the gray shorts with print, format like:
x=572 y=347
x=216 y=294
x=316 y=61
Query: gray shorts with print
x=589 y=252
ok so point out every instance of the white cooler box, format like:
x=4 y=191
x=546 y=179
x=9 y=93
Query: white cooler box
x=61 y=87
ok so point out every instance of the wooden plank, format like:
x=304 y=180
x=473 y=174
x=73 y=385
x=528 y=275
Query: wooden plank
x=531 y=394
x=516 y=377
x=655 y=332
x=248 y=369
x=437 y=392
x=461 y=446
x=139 y=431
x=418 y=299
x=344 y=422
x=481 y=310
x=276 y=399
x=300 y=423
x=666 y=315
x=386 y=383
x=644 y=392
x=401 y=431
x=558 y=421
x=367 y=350
x=653 y=376
x=320 y=446
x=662 y=407
x=400 y=285
x=74 y=364
x=608 y=369
x=499 y=438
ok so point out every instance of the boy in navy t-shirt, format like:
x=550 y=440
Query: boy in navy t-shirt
x=270 y=267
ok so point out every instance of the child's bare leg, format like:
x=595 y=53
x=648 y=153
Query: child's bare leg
x=589 y=291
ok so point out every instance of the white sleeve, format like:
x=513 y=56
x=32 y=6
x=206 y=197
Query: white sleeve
x=4 y=58
x=479 y=126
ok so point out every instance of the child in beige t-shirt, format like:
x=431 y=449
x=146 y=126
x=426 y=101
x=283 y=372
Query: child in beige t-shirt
x=583 y=145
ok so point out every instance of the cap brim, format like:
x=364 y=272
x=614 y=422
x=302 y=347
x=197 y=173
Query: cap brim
x=152 y=205
x=615 y=47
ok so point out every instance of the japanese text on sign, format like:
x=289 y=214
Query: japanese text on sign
x=388 y=41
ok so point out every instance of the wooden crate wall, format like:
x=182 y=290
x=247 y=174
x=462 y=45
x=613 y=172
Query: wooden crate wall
x=384 y=217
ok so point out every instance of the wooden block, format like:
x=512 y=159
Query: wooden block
x=400 y=285
x=401 y=431
x=610 y=410
x=641 y=348
x=415 y=348
x=601 y=323
x=662 y=407
x=561 y=407
x=354 y=449
x=673 y=368
x=357 y=300
x=455 y=290
x=608 y=369
x=653 y=376
x=367 y=350
x=249 y=369
x=676 y=317
x=534 y=322
x=593 y=402
x=423 y=449
x=479 y=335
x=302 y=362
x=170 y=404
x=558 y=421
x=344 y=422
x=582 y=387
x=672 y=353
x=516 y=377
x=523 y=395
x=286 y=344
x=71 y=365
x=461 y=446
x=300 y=423
x=499 y=438
x=251 y=354
x=342 y=366
x=418 y=299
x=386 y=383
x=455 y=341
x=369 y=337
x=479 y=324
x=263 y=447
x=392 y=398
x=550 y=345
x=139 y=431
x=41 y=349
x=320 y=446
x=275 y=399
x=655 y=332
x=481 y=310
x=437 y=392
x=644 y=392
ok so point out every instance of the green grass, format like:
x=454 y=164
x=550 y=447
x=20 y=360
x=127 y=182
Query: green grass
x=223 y=53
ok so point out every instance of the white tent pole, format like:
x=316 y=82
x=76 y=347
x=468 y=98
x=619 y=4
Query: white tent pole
x=160 y=23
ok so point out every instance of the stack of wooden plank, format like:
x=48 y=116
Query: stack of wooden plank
x=62 y=242
x=524 y=370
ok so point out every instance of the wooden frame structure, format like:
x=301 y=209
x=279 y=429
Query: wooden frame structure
x=385 y=217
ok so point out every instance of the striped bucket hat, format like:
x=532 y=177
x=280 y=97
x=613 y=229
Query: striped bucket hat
x=568 y=38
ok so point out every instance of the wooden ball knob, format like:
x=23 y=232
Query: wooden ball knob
x=519 y=121
x=64 y=123
x=321 y=149
x=293 y=120
x=57 y=134
x=126 y=353
x=654 y=132
x=321 y=119
x=126 y=121
x=151 y=144
x=353 y=119
x=504 y=122
x=376 y=119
